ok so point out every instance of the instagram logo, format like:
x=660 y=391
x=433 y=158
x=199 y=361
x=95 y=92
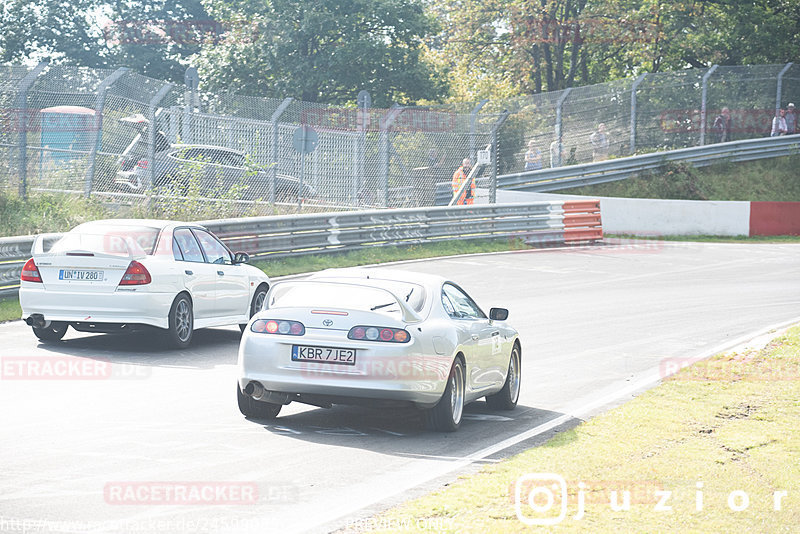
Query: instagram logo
x=537 y=496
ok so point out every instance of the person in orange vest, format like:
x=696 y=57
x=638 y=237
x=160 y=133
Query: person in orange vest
x=468 y=196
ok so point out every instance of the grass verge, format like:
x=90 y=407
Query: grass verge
x=384 y=254
x=9 y=309
x=773 y=179
x=721 y=435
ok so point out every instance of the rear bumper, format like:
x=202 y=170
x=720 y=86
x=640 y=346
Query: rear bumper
x=382 y=371
x=118 y=307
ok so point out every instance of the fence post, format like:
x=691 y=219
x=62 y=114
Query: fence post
x=273 y=171
x=780 y=86
x=151 y=136
x=703 y=101
x=364 y=103
x=21 y=105
x=191 y=99
x=105 y=85
x=496 y=156
x=559 y=106
x=386 y=123
x=634 y=87
x=473 y=117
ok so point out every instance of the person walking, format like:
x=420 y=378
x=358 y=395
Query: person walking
x=599 y=141
x=779 y=124
x=791 y=119
x=459 y=177
x=533 y=157
x=722 y=126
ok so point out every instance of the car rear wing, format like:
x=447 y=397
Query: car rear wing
x=96 y=245
x=408 y=314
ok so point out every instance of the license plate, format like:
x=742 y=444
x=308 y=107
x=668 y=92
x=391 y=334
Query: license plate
x=301 y=353
x=80 y=275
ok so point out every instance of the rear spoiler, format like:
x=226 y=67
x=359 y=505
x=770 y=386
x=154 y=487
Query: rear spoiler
x=117 y=247
x=409 y=315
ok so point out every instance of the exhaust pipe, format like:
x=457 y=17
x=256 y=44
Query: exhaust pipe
x=254 y=389
x=36 y=320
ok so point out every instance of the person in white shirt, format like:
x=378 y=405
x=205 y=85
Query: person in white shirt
x=779 y=124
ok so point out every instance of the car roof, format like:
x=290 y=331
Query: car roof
x=155 y=223
x=377 y=277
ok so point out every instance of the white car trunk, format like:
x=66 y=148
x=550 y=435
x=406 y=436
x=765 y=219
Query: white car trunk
x=81 y=271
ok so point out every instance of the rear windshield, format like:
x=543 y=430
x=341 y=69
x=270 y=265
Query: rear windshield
x=354 y=297
x=117 y=240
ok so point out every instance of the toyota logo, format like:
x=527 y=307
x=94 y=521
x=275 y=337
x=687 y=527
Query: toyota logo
x=327 y=322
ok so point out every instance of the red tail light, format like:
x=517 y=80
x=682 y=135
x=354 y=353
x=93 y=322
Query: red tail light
x=136 y=275
x=30 y=272
x=379 y=333
x=277 y=326
x=142 y=163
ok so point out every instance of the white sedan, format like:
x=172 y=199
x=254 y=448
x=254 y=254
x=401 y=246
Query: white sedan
x=118 y=275
x=358 y=336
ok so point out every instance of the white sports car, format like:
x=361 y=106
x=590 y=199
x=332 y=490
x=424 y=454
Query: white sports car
x=354 y=336
x=117 y=275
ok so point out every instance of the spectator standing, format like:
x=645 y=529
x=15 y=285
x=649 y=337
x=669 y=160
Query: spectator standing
x=599 y=141
x=533 y=157
x=557 y=152
x=779 y=124
x=722 y=126
x=791 y=119
x=459 y=177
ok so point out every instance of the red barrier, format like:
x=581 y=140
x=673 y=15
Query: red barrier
x=774 y=218
x=582 y=221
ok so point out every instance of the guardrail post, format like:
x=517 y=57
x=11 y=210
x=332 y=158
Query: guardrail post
x=151 y=136
x=21 y=105
x=105 y=85
x=386 y=122
x=495 y=156
x=473 y=117
x=273 y=174
x=780 y=85
x=634 y=87
x=559 y=106
x=703 y=101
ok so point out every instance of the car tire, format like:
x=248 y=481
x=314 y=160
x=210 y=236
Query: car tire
x=447 y=414
x=181 y=322
x=506 y=398
x=54 y=332
x=257 y=302
x=256 y=409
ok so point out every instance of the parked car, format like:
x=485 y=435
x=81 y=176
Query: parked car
x=366 y=336
x=120 y=275
x=215 y=170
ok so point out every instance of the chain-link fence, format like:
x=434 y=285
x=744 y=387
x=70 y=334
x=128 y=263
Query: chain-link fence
x=169 y=150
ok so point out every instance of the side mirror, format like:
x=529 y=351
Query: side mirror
x=498 y=314
x=241 y=257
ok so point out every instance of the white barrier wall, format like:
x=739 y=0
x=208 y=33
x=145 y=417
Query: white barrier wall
x=641 y=216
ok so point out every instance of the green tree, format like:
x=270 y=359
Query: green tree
x=324 y=50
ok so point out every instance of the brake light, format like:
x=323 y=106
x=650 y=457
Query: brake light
x=135 y=275
x=30 y=272
x=142 y=163
x=273 y=326
x=379 y=333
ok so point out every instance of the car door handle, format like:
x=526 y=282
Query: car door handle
x=221 y=273
x=190 y=273
x=475 y=337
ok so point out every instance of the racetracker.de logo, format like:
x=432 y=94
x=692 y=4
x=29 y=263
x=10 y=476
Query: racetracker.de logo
x=176 y=493
x=51 y=120
x=66 y=368
x=748 y=121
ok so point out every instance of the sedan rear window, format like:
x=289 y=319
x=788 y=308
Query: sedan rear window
x=107 y=239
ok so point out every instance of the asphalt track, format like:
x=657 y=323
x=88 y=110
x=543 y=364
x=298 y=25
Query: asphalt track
x=597 y=325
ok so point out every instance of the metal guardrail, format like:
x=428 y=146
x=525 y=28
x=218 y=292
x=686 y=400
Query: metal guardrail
x=280 y=236
x=619 y=169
